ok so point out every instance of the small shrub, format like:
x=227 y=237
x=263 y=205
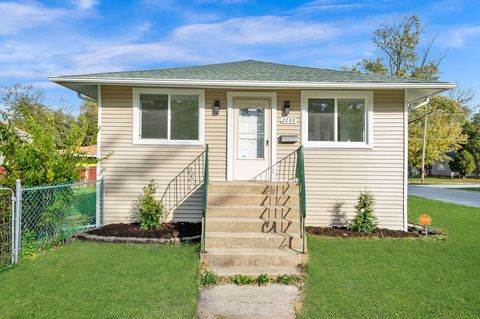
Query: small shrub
x=286 y=279
x=262 y=279
x=243 y=280
x=208 y=278
x=150 y=210
x=365 y=220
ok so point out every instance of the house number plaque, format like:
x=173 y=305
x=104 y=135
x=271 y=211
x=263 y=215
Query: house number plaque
x=288 y=120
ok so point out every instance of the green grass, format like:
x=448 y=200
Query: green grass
x=473 y=189
x=399 y=278
x=98 y=280
x=443 y=180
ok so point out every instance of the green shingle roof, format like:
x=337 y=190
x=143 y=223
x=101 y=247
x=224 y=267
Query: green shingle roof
x=252 y=70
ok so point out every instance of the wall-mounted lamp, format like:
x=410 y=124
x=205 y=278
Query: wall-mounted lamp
x=216 y=107
x=286 y=108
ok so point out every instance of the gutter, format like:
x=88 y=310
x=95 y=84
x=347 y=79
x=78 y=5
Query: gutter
x=85 y=98
x=247 y=84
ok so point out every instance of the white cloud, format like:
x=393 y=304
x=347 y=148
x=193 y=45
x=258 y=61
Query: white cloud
x=460 y=36
x=17 y=16
x=326 y=5
x=85 y=4
x=256 y=30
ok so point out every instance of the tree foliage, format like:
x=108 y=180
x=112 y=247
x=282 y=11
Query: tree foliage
x=463 y=163
x=472 y=145
x=24 y=101
x=89 y=112
x=444 y=130
x=399 y=53
x=37 y=160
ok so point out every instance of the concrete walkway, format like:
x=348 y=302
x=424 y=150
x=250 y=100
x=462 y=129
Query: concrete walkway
x=242 y=302
x=448 y=193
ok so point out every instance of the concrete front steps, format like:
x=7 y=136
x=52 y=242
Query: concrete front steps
x=252 y=229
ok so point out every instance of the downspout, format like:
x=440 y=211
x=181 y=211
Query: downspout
x=85 y=98
x=424 y=138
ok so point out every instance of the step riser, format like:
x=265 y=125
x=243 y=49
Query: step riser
x=252 y=227
x=257 y=212
x=249 y=260
x=274 y=243
x=254 y=189
x=262 y=200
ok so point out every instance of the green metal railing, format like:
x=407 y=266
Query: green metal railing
x=204 y=198
x=300 y=175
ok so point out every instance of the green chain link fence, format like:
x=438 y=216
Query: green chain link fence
x=52 y=214
x=6 y=238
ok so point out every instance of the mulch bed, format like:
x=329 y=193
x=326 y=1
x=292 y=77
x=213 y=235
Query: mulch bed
x=378 y=233
x=166 y=231
x=131 y=233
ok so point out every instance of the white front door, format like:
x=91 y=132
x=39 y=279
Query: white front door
x=251 y=138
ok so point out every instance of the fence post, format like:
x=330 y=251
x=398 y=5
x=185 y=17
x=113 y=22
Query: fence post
x=18 y=220
x=98 y=213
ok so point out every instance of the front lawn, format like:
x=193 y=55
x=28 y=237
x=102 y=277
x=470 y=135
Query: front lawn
x=432 y=180
x=98 y=280
x=399 y=278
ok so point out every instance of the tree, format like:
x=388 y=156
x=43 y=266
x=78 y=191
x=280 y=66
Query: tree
x=23 y=101
x=89 y=112
x=397 y=44
x=462 y=163
x=38 y=160
x=444 y=130
x=472 y=145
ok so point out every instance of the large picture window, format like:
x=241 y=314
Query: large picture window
x=336 y=118
x=168 y=116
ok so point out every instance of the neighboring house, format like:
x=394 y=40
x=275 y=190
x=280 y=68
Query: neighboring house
x=89 y=168
x=442 y=168
x=252 y=114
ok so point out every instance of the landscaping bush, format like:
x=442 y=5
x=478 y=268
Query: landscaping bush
x=365 y=220
x=151 y=212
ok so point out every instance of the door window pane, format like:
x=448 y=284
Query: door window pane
x=321 y=114
x=251 y=127
x=184 y=113
x=351 y=120
x=154 y=115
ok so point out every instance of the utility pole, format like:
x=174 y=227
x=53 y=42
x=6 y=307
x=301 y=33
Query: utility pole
x=424 y=146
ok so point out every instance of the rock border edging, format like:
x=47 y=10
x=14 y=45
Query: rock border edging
x=134 y=240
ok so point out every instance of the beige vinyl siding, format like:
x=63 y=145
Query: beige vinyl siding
x=338 y=175
x=332 y=174
x=130 y=167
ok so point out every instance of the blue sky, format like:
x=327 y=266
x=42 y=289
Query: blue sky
x=43 y=38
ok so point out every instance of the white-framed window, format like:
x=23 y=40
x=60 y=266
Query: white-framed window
x=337 y=119
x=168 y=116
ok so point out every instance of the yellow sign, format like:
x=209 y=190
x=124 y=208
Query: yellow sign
x=425 y=219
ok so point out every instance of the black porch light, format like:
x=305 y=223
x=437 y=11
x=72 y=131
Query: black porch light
x=216 y=107
x=286 y=108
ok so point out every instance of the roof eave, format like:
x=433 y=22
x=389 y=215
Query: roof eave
x=251 y=84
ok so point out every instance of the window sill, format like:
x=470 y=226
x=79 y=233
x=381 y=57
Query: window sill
x=167 y=142
x=337 y=145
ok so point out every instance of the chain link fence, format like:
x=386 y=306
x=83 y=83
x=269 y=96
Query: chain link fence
x=6 y=227
x=52 y=214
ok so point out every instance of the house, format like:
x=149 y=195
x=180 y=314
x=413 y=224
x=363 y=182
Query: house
x=442 y=168
x=346 y=131
x=88 y=166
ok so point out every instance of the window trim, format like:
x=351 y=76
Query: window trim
x=324 y=94
x=137 y=139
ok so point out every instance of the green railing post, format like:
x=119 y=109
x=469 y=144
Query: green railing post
x=204 y=198
x=300 y=174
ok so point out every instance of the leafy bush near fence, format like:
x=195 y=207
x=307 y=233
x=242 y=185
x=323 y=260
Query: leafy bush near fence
x=50 y=215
